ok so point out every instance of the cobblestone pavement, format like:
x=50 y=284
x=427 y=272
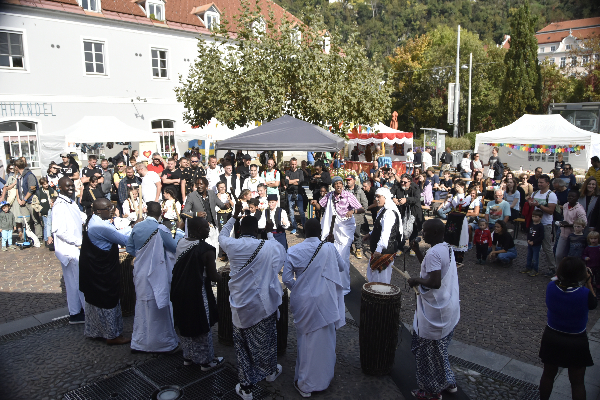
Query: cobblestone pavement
x=30 y=283
x=50 y=362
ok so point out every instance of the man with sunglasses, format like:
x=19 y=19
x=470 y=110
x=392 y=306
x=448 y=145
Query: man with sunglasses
x=99 y=274
x=568 y=176
x=157 y=164
x=190 y=175
x=69 y=167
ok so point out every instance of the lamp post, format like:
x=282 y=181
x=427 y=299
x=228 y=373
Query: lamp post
x=457 y=85
x=469 y=109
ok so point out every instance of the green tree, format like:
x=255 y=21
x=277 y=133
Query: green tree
x=522 y=86
x=262 y=74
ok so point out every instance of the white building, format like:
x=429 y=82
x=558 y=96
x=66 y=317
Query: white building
x=556 y=41
x=99 y=71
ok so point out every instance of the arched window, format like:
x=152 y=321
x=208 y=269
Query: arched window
x=166 y=132
x=20 y=140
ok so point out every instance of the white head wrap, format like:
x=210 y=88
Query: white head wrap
x=389 y=202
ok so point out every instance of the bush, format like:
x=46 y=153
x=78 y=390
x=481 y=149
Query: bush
x=471 y=136
x=458 y=143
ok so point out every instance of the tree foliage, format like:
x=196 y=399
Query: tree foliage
x=522 y=86
x=259 y=76
x=422 y=68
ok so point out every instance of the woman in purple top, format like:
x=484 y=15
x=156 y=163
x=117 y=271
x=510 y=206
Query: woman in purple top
x=564 y=342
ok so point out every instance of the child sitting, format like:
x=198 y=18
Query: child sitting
x=535 y=237
x=483 y=240
x=591 y=256
x=7 y=225
x=577 y=240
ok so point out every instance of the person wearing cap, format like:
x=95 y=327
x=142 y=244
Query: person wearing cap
x=338 y=220
x=69 y=167
x=384 y=237
x=279 y=218
x=53 y=175
x=243 y=171
x=594 y=170
x=357 y=191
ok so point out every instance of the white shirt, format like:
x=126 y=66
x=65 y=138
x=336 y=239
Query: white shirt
x=213 y=176
x=252 y=184
x=465 y=164
x=67 y=223
x=285 y=223
x=541 y=198
x=263 y=203
x=427 y=160
x=131 y=212
x=410 y=157
x=228 y=182
x=149 y=187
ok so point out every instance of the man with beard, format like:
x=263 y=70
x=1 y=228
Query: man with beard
x=407 y=197
x=171 y=178
x=190 y=175
x=129 y=182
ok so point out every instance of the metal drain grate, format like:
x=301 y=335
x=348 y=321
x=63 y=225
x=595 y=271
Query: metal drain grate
x=54 y=324
x=530 y=391
x=142 y=381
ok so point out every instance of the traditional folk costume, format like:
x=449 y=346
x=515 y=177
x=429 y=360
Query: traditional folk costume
x=280 y=221
x=336 y=208
x=67 y=232
x=252 y=185
x=387 y=230
x=153 y=247
x=255 y=295
x=457 y=226
x=99 y=278
x=438 y=312
x=194 y=304
x=317 y=302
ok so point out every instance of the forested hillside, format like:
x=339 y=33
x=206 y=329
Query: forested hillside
x=384 y=24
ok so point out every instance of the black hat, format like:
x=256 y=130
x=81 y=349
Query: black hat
x=247 y=157
x=596 y=159
x=272 y=197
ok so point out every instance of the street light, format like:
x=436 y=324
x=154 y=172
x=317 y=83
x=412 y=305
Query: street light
x=470 y=67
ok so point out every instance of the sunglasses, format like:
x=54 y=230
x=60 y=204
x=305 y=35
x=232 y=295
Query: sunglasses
x=156 y=159
x=194 y=162
x=404 y=182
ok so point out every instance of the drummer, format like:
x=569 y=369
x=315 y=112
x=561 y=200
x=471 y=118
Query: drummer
x=387 y=229
x=437 y=314
x=99 y=275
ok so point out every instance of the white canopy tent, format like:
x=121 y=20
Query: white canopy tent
x=382 y=135
x=549 y=129
x=90 y=129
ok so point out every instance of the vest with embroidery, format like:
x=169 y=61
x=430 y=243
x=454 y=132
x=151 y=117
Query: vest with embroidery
x=277 y=218
x=392 y=245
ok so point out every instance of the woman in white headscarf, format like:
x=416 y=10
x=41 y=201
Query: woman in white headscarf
x=383 y=239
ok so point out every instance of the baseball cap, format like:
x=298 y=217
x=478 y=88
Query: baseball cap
x=247 y=157
x=351 y=177
x=63 y=155
x=595 y=158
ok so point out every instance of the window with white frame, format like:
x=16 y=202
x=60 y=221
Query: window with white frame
x=563 y=62
x=552 y=61
x=166 y=133
x=159 y=63
x=211 y=20
x=20 y=140
x=326 y=44
x=155 y=10
x=541 y=49
x=90 y=5
x=568 y=47
x=573 y=61
x=11 y=50
x=93 y=54
x=552 y=48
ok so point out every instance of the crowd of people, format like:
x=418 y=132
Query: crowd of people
x=177 y=217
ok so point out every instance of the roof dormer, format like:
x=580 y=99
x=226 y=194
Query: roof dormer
x=209 y=14
x=154 y=9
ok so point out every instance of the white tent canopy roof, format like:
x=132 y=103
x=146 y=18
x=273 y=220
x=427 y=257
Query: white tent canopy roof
x=93 y=129
x=538 y=129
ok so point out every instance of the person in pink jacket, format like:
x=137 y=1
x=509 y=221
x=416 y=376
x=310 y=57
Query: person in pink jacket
x=572 y=210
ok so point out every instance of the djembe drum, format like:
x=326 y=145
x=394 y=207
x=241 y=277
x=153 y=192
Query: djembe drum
x=379 y=323
x=225 y=318
x=127 y=287
x=282 y=323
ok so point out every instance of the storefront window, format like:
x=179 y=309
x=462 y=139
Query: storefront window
x=166 y=132
x=20 y=140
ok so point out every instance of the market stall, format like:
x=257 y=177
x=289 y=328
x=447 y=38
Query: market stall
x=383 y=144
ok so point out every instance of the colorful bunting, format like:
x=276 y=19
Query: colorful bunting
x=540 y=148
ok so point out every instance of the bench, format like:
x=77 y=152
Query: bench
x=517 y=224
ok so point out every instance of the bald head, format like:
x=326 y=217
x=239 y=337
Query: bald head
x=101 y=204
x=66 y=186
x=312 y=228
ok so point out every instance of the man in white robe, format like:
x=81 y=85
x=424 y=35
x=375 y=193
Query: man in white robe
x=67 y=223
x=437 y=314
x=340 y=206
x=317 y=302
x=154 y=247
x=255 y=295
x=387 y=230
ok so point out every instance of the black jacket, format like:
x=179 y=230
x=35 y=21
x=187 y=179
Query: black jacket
x=413 y=200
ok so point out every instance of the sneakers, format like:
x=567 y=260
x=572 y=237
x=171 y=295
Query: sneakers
x=550 y=273
x=77 y=318
x=359 y=253
x=451 y=389
x=187 y=362
x=293 y=232
x=213 y=364
x=246 y=395
x=303 y=394
x=533 y=273
x=12 y=246
x=525 y=271
x=398 y=253
x=470 y=246
x=423 y=395
x=274 y=375
x=412 y=253
x=4 y=248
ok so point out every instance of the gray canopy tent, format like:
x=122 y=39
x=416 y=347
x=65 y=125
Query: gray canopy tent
x=284 y=134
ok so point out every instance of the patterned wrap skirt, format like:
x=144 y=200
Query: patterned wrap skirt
x=102 y=322
x=434 y=372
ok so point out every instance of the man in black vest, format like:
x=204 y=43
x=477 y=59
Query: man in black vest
x=99 y=275
x=279 y=218
x=231 y=181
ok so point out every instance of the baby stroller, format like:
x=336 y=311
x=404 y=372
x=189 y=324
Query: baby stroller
x=29 y=238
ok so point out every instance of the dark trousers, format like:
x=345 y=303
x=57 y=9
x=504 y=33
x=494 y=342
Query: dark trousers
x=358 y=243
x=482 y=250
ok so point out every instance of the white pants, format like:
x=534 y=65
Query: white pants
x=315 y=363
x=75 y=298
